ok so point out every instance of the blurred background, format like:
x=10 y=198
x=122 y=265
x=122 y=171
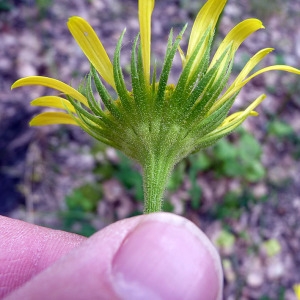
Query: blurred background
x=244 y=192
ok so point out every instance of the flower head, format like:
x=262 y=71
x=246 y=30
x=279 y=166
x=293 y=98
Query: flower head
x=156 y=123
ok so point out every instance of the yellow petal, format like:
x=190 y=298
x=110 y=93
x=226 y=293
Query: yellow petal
x=236 y=36
x=206 y=39
x=92 y=47
x=236 y=115
x=145 y=13
x=182 y=56
x=272 y=68
x=252 y=106
x=50 y=118
x=207 y=16
x=236 y=120
x=239 y=117
x=53 y=101
x=51 y=83
x=297 y=290
x=237 y=87
x=251 y=64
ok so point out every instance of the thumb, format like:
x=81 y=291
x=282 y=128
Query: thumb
x=156 y=256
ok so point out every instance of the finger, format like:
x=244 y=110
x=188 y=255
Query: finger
x=27 y=249
x=156 y=256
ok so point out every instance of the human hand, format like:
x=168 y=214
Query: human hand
x=156 y=256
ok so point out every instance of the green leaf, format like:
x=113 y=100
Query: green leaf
x=195 y=193
x=177 y=177
x=168 y=206
x=249 y=148
x=84 y=198
x=225 y=150
x=225 y=239
x=255 y=171
x=130 y=177
x=200 y=161
x=280 y=129
x=272 y=247
x=232 y=168
x=230 y=207
x=5 y=6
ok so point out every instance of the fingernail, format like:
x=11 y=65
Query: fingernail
x=167 y=257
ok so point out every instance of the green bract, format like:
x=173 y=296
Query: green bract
x=155 y=123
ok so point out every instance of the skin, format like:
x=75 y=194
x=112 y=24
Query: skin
x=156 y=256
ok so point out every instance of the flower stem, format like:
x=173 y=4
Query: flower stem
x=156 y=173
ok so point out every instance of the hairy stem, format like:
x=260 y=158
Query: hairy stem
x=156 y=172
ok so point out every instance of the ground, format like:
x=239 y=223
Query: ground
x=258 y=239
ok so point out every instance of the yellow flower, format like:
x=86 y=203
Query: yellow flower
x=155 y=123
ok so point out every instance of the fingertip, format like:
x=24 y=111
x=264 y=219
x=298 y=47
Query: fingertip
x=167 y=257
x=156 y=256
x=27 y=249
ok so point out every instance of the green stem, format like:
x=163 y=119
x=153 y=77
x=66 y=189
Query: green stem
x=156 y=173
